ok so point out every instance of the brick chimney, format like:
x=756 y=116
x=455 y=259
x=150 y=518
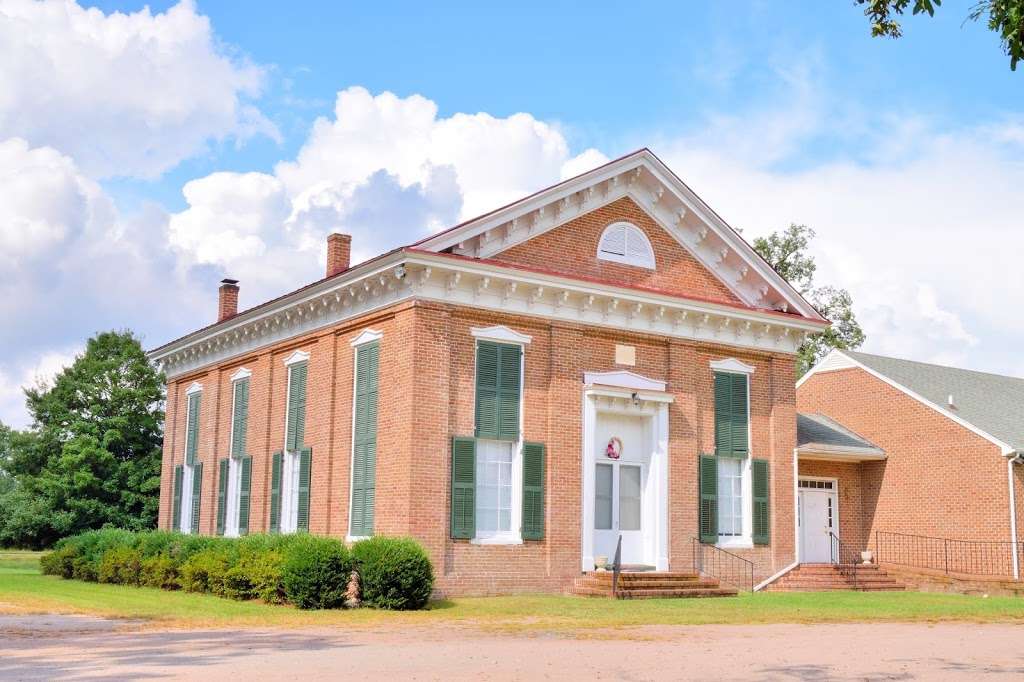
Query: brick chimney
x=339 y=250
x=227 y=301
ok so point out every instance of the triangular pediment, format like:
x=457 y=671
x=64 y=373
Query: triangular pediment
x=661 y=196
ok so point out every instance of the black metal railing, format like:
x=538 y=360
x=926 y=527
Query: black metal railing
x=845 y=558
x=966 y=557
x=616 y=567
x=725 y=566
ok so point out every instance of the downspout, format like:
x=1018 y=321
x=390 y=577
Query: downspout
x=796 y=508
x=1013 y=515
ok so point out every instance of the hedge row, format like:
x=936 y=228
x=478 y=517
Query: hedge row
x=307 y=571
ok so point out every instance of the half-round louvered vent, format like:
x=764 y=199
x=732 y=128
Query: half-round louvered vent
x=626 y=243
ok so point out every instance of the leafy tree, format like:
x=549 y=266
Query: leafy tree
x=92 y=455
x=1005 y=17
x=787 y=253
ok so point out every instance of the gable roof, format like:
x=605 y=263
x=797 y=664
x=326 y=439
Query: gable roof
x=643 y=177
x=817 y=434
x=455 y=266
x=990 y=405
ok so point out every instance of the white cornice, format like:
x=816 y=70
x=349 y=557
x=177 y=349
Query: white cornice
x=489 y=286
x=623 y=379
x=501 y=334
x=242 y=373
x=296 y=357
x=366 y=336
x=731 y=365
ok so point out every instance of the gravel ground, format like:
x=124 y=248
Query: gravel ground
x=78 y=648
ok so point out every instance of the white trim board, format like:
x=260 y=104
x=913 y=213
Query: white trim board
x=732 y=365
x=623 y=379
x=501 y=334
x=837 y=360
x=366 y=336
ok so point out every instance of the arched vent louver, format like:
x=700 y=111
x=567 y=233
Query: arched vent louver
x=626 y=243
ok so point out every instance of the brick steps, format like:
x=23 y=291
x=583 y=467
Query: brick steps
x=827 y=577
x=650 y=585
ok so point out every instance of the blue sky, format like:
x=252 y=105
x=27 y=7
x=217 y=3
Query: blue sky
x=156 y=151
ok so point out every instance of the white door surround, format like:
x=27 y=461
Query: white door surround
x=635 y=405
x=818 y=502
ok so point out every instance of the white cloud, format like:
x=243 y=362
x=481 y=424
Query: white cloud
x=39 y=370
x=920 y=223
x=386 y=170
x=122 y=94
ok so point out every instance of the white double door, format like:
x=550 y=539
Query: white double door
x=618 y=510
x=818 y=521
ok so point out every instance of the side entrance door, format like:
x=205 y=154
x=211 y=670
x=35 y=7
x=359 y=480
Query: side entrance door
x=818 y=518
x=618 y=510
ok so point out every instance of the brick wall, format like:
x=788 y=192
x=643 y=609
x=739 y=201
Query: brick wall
x=426 y=396
x=940 y=479
x=576 y=245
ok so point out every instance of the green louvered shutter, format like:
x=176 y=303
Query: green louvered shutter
x=240 y=418
x=498 y=372
x=762 y=522
x=176 y=499
x=510 y=359
x=708 y=509
x=463 y=522
x=222 y=494
x=245 y=484
x=364 y=457
x=295 y=436
x=486 y=389
x=197 y=490
x=731 y=415
x=305 y=474
x=533 y=491
x=192 y=428
x=275 y=492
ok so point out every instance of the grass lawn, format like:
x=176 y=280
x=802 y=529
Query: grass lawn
x=24 y=589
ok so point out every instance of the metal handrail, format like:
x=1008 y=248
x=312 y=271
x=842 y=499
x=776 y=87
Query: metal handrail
x=616 y=567
x=721 y=564
x=847 y=569
x=965 y=557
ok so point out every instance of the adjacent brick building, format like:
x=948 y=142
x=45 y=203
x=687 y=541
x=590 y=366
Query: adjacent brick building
x=517 y=393
x=935 y=480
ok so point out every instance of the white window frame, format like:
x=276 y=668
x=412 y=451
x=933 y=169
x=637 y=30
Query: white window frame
x=746 y=540
x=290 y=459
x=629 y=231
x=514 y=536
x=366 y=336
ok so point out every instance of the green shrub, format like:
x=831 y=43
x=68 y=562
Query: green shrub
x=89 y=548
x=257 y=575
x=206 y=570
x=121 y=566
x=159 y=571
x=394 y=573
x=315 y=572
x=59 y=562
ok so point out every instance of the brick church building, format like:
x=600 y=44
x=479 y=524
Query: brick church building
x=605 y=359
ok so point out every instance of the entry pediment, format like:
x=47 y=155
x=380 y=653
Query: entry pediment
x=623 y=379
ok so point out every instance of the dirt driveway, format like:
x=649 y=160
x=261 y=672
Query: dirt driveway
x=74 y=648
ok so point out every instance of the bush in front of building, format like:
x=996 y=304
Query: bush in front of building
x=315 y=572
x=307 y=571
x=394 y=573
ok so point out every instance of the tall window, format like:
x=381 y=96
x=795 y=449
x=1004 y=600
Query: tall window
x=291 y=468
x=188 y=477
x=497 y=478
x=364 y=434
x=730 y=497
x=234 y=474
x=732 y=446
